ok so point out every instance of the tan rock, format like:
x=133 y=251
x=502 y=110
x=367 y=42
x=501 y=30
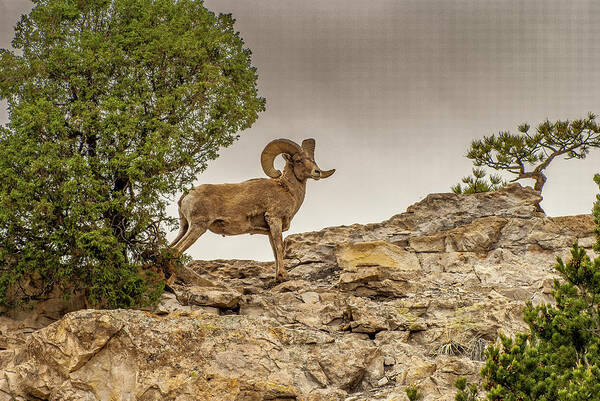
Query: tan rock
x=209 y=296
x=169 y=303
x=368 y=316
x=433 y=243
x=418 y=370
x=352 y=256
x=368 y=310
x=310 y=297
x=377 y=268
x=345 y=363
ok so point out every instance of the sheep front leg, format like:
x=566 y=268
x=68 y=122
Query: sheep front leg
x=277 y=244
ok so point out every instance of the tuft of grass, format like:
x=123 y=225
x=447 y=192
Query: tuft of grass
x=476 y=348
x=450 y=347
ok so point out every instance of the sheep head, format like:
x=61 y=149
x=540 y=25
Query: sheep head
x=300 y=158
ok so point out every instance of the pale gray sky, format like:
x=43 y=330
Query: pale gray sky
x=394 y=91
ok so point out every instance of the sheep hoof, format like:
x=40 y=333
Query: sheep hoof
x=281 y=277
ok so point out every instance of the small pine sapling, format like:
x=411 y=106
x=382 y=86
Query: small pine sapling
x=477 y=183
x=465 y=393
x=413 y=393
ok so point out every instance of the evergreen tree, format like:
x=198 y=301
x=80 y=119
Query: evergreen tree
x=515 y=153
x=114 y=105
x=559 y=359
x=477 y=183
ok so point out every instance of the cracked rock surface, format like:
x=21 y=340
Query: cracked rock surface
x=368 y=310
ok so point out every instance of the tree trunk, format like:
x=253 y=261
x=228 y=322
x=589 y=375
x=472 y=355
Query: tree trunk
x=118 y=221
x=539 y=177
x=540 y=180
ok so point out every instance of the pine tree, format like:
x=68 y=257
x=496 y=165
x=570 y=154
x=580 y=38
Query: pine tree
x=114 y=105
x=516 y=152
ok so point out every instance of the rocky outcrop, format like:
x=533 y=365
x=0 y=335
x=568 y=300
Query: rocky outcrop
x=368 y=310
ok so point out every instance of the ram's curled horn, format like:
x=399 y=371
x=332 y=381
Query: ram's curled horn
x=274 y=148
x=327 y=173
x=309 y=146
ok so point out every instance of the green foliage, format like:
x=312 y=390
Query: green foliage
x=465 y=393
x=477 y=183
x=515 y=152
x=596 y=213
x=559 y=359
x=114 y=105
x=413 y=394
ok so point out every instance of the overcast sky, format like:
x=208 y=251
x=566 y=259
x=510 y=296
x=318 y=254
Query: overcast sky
x=394 y=91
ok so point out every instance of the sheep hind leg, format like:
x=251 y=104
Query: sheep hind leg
x=194 y=231
x=183 y=227
x=277 y=244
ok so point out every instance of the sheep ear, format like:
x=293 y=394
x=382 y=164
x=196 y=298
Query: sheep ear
x=286 y=157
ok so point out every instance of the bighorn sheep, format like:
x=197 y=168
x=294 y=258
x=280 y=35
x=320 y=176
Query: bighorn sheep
x=257 y=206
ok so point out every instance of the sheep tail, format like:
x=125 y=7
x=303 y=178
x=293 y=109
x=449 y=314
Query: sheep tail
x=181 y=198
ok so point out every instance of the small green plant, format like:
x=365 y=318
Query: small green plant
x=465 y=393
x=477 y=183
x=413 y=394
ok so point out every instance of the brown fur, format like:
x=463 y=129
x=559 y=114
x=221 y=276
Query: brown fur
x=257 y=206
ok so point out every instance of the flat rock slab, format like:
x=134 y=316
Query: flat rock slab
x=209 y=296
